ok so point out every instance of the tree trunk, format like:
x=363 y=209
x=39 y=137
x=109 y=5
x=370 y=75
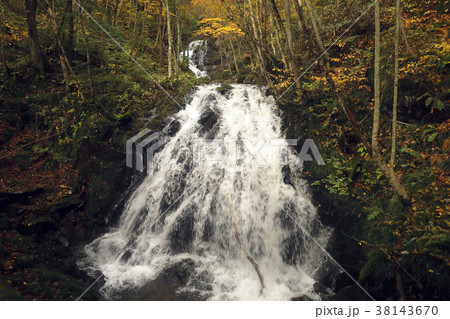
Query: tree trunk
x=169 y=38
x=272 y=26
x=303 y=25
x=161 y=35
x=277 y=37
x=37 y=56
x=288 y=25
x=394 y=104
x=234 y=55
x=387 y=171
x=88 y=56
x=178 y=47
x=256 y=33
x=376 y=85
x=119 y=10
x=292 y=59
x=241 y=19
x=70 y=47
x=65 y=64
x=2 y=51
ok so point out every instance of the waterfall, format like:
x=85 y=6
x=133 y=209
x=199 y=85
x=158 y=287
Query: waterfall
x=181 y=214
x=196 y=53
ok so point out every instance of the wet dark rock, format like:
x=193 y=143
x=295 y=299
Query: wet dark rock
x=12 y=210
x=224 y=89
x=287 y=175
x=286 y=221
x=65 y=205
x=25 y=197
x=208 y=119
x=349 y=293
x=302 y=298
x=210 y=100
x=292 y=249
x=182 y=234
x=332 y=276
x=174 y=190
x=37 y=223
x=172 y=128
x=208 y=230
x=323 y=291
x=188 y=98
x=165 y=286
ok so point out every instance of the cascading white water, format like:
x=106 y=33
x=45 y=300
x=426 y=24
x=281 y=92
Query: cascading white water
x=183 y=211
x=196 y=55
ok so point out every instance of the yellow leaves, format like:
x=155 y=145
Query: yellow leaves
x=216 y=27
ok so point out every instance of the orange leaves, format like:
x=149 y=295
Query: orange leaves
x=446 y=145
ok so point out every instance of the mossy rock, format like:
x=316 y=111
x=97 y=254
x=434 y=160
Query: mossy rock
x=223 y=89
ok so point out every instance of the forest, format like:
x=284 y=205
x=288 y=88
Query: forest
x=367 y=80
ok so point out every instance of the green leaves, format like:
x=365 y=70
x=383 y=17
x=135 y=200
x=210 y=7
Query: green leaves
x=410 y=151
x=374 y=212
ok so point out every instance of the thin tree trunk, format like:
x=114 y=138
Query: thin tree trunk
x=400 y=288
x=119 y=11
x=387 y=171
x=234 y=55
x=169 y=37
x=178 y=49
x=405 y=39
x=161 y=34
x=242 y=22
x=376 y=86
x=277 y=14
x=394 y=104
x=65 y=64
x=255 y=32
x=37 y=56
x=114 y=11
x=88 y=56
x=292 y=59
x=277 y=37
x=70 y=47
x=288 y=24
x=274 y=50
x=2 y=51
x=303 y=25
